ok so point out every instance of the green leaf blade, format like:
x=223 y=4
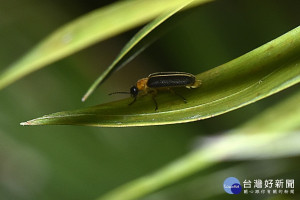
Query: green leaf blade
x=258 y=74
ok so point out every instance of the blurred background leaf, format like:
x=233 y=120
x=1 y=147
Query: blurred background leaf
x=69 y=162
x=139 y=42
x=87 y=30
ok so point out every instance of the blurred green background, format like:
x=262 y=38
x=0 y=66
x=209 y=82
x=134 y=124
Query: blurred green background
x=72 y=162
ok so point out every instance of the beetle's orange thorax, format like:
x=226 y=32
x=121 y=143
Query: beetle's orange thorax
x=142 y=84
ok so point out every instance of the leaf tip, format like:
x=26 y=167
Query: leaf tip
x=83 y=98
x=25 y=123
x=30 y=122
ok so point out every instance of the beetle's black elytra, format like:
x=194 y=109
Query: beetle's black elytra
x=170 y=81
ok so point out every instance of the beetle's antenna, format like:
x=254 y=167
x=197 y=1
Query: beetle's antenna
x=119 y=93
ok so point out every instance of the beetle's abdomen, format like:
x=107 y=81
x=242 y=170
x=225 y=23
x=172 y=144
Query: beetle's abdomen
x=170 y=81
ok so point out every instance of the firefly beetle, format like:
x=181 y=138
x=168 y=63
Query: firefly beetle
x=162 y=80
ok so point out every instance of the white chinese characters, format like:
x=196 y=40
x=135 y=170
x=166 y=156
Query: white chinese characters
x=269 y=186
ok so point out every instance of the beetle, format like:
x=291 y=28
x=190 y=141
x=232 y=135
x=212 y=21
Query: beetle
x=159 y=81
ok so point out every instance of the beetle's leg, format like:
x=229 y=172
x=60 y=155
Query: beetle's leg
x=171 y=90
x=153 y=93
x=132 y=101
x=156 y=107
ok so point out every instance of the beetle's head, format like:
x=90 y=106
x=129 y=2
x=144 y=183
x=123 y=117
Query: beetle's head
x=134 y=91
